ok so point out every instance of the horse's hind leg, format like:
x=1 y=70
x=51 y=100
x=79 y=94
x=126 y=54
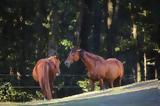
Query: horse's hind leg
x=101 y=84
x=120 y=81
x=51 y=86
x=42 y=89
x=117 y=82
x=111 y=84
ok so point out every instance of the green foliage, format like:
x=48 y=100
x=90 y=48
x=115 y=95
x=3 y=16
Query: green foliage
x=85 y=85
x=38 y=95
x=126 y=44
x=66 y=43
x=8 y=93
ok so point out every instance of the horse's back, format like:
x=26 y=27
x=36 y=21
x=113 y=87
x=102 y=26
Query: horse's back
x=43 y=66
x=38 y=69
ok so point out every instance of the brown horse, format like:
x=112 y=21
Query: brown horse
x=44 y=72
x=98 y=68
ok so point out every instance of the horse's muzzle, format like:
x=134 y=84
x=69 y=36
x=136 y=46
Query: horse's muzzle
x=67 y=64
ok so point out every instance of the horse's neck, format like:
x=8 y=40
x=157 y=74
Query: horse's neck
x=88 y=61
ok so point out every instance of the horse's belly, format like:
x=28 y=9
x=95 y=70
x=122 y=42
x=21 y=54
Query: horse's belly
x=112 y=75
x=93 y=77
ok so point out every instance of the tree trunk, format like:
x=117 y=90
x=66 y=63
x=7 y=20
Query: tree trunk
x=52 y=44
x=145 y=66
x=137 y=52
x=80 y=6
x=112 y=8
x=97 y=17
x=85 y=23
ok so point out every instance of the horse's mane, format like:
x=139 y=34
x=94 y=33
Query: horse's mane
x=93 y=56
x=90 y=55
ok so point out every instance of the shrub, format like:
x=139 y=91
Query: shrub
x=86 y=86
x=38 y=95
x=8 y=93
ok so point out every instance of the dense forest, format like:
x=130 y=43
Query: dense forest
x=33 y=29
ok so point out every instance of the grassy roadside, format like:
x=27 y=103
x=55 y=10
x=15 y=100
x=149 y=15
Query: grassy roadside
x=132 y=88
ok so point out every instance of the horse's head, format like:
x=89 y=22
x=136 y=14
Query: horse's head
x=73 y=56
x=56 y=61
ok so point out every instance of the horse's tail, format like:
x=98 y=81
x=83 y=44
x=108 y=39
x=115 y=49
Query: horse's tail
x=122 y=72
x=121 y=66
x=45 y=83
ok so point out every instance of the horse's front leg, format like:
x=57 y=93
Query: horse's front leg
x=92 y=85
x=101 y=82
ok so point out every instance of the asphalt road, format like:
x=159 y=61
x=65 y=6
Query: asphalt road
x=149 y=97
x=138 y=94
